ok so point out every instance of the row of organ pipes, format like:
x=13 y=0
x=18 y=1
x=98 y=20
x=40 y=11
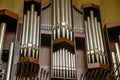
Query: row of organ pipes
x=63 y=60
x=46 y=18
x=78 y=21
x=29 y=45
x=62 y=19
x=116 y=60
x=64 y=64
x=94 y=40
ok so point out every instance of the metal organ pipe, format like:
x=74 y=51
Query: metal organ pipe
x=94 y=40
x=31 y=25
x=2 y=35
x=117 y=51
x=8 y=72
x=115 y=63
x=87 y=42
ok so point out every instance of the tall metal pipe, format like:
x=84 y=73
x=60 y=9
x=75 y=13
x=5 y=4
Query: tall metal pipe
x=35 y=28
x=87 y=42
x=90 y=39
x=8 y=72
x=54 y=12
x=38 y=31
x=98 y=49
x=93 y=30
x=97 y=34
x=24 y=30
x=31 y=24
x=2 y=35
x=27 y=27
x=102 y=56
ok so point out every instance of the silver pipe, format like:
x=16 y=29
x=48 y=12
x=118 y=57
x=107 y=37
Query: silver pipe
x=70 y=13
x=38 y=31
x=115 y=63
x=55 y=57
x=87 y=42
x=34 y=28
x=31 y=24
x=53 y=62
x=58 y=11
x=102 y=56
x=9 y=67
x=63 y=62
x=54 y=12
x=2 y=35
x=67 y=19
x=97 y=34
x=93 y=29
x=90 y=39
x=24 y=30
x=62 y=10
x=67 y=63
x=60 y=62
x=117 y=51
x=74 y=66
x=27 y=27
x=98 y=41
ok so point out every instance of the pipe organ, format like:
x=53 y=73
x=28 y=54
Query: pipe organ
x=64 y=26
x=63 y=56
x=28 y=65
x=94 y=39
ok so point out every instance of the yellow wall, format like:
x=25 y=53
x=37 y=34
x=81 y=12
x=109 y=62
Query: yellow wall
x=109 y=8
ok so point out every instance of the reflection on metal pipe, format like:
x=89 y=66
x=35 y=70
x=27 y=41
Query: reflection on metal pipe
x=8 y=72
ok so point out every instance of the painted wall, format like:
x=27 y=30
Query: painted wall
x=110 y=9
